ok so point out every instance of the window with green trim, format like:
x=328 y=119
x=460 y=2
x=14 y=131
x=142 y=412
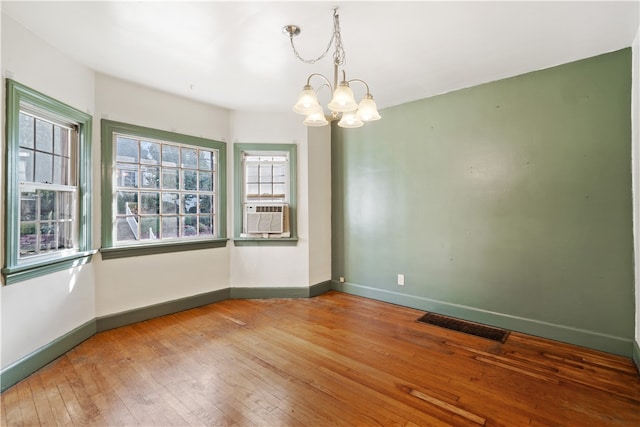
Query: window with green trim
x=160 y=189
x=48 y=185
x=265 y=192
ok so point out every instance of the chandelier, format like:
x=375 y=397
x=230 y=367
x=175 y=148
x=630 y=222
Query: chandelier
x=343 y=105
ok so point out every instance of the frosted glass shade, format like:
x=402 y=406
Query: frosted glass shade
x=367 y=109
x=316 y=119
x=350 y=120
x=307 y=102
x=343 y=99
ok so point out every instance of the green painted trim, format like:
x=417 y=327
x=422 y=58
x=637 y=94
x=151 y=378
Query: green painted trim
x=320 y=288
x=142 y=250
x=22 y=273
x=16 y=95
x=107 y=129
x=238 y=148
x=24 y=367
x=284 y=241
x=29 y=364
x=136 y=315
x=261 y=293
x=636 y=356
x=581 y=337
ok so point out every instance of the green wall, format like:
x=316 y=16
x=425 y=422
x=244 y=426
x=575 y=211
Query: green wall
x=508 y=203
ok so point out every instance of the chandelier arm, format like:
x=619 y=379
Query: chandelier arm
x=326 y=80
x=363 y=82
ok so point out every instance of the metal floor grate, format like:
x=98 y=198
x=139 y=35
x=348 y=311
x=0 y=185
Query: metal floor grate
x=465 y=326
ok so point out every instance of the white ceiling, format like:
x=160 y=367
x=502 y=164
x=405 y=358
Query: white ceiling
x=234 y=54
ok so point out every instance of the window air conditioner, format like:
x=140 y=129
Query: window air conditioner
x=264 y=219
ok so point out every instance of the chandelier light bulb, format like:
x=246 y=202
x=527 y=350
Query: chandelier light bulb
x=316 y=119
x=343 y=99
x=368 y=110
x=350 y=120
x=307 y=102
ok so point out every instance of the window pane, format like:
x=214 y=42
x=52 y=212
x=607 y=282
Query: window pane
x=149 y=227
x=170 y=226
x=57 y=170
x=170 y=155
x=190 y=203
x=189 y=180
x=127 y=202
x=48 y=238
x=170 y=203
x=126 y=150
x=205 y=160
x=150 y=176
x=65 y=205
x=278 y=190
x=65 y=235
x=44 y=167
x=149 y=203
x=252 y=190
x=44 y=136
x=265 y=173
x=279 y=173
x=25 y=165
x=206 y=181
x=149 y=152
x=189 y=226
x=127 y=228
x=61 y=141
x=252 y=173
x=27 y=126
x=206 y=225
x=127 y=176
x=28 y=239
x=170 y=179
x=266 y=189
x=28 y=206
x=205 y=204
x=47 y=205
x=189 y=158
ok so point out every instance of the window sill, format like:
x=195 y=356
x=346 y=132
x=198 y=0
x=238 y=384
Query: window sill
x=160 y=248
x=279 y=241
x=31 y=271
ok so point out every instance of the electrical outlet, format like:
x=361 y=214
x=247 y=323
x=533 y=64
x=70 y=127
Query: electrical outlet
x=400 y=279
x=341 y=279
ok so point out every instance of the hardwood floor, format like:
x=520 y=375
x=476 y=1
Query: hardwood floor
x=335 y=359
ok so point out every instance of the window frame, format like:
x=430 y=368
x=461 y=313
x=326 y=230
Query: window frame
x=268 y=150
x=110 y=251
x=15 y=269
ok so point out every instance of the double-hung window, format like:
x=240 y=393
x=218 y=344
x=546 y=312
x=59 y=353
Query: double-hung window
x=162 y=191
x=265 y=185
x=48 y=185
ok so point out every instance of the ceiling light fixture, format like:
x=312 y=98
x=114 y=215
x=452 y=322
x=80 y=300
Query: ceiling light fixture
x=343 y=105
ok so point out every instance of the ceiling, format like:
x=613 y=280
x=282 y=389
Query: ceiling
x=234 y=54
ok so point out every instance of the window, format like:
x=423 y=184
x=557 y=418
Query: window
x=48 y=185
x=162 y=191
x=265 y=192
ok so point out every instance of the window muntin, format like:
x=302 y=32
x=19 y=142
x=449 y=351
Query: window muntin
x=266 y=177
x=163 y=190
x=48 y=187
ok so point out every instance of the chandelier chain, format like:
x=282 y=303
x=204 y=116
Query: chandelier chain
x=339 y=55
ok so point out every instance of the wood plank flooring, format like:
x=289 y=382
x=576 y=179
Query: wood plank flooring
x=332 y=360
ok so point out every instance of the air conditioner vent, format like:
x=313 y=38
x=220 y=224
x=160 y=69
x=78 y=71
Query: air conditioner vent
x=264 y=219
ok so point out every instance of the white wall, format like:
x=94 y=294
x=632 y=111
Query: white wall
x=35 y=312
x=319 y=190
x=128 y=283
x=273 y=266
